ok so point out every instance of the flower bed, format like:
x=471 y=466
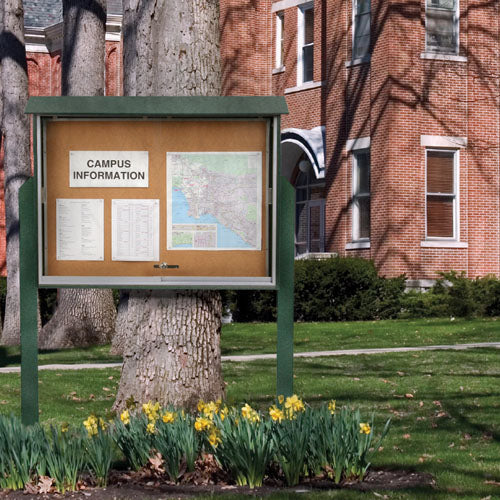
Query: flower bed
x=289 y=443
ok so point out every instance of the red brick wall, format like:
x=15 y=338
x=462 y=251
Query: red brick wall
x=395 y=99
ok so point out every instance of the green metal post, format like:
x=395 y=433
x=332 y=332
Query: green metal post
x=286 y=225
x=28 y=269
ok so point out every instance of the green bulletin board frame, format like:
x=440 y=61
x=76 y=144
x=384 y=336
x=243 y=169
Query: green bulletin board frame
x=152 y=108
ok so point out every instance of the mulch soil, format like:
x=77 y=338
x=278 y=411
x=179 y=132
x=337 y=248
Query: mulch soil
x=208 y=479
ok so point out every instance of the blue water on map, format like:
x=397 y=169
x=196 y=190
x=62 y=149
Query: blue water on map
x=226 y=238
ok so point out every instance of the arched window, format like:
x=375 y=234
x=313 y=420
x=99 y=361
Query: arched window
x=309 y=210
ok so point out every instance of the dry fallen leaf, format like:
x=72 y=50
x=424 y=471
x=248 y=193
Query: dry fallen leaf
x=421 y=404
x=494 y=483
x=106 y=389
x=156 y=463
x=45 y=484
x=408 y=395
x=406 y=436
x=437 y=403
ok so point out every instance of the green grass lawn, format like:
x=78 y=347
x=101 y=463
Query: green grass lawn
x=257 y=338
x=444 y=406
x=260 y=338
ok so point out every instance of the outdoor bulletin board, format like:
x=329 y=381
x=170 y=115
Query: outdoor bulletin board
x=161 y=199
x=155 y=192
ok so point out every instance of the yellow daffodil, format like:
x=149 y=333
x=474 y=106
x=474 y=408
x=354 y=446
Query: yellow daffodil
x=364 y=428
x=201 y=405
x=331 y=406
x=202 y=423
x=249 y=413
x=294 y=404
x=168 y=417
x=213 y=437
x=125 y=417
x=65 y=427
x=91 y=425
x=223 y=413
x=281 y=398
x=151 y=427
x=210 y=409
x=276 y=414
x=151 y=410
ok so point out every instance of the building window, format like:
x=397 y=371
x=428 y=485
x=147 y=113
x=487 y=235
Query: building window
x=441 y=195
x=280 y=30
x=309 y=213
x=361 y=195
x=441 y=26
x=305 y=56
x=361 y=29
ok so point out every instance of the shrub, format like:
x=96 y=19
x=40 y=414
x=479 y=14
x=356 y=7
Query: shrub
x=336 y=289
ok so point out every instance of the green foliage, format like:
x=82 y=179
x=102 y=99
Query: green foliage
x=133 y=439
x=65 y=457
x=245 y=449
x=336 y=289
x=99 y=455
x=22 y=452
x=177 y=441
x=291 y=439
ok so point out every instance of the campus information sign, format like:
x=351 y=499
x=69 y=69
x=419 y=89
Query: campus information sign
x=157 y=192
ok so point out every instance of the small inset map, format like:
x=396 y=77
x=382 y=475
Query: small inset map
x=214 y=201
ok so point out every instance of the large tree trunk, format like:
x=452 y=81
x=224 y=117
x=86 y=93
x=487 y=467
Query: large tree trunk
x=83 y=317
x=171 y=48
x=17 y=167
x=80 y=320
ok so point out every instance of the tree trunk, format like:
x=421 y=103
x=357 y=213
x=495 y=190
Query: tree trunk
x=80 y=320
x=123 y=323
x=83 y=316
x=174 y=355
x=17 y=166
x=172 y=351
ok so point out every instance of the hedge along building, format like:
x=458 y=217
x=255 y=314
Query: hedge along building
x=392 y=140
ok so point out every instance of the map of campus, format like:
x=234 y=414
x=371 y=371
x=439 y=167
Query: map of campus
x=214 y=200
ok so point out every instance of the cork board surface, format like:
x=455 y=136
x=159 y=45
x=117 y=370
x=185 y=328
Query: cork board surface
x=158 y=138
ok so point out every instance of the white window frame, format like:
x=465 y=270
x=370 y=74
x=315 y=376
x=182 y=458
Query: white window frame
x=280 y=22
x=456 y=24
x=301 y=34
x=364 y=57
x=455 y=194
x=356 y=196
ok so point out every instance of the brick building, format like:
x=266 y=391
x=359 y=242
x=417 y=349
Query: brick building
x=392 y=140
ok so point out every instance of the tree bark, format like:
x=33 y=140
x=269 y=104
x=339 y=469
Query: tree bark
x=83 y=316
x=172 y=347
x=17 y=165
x=173 y=356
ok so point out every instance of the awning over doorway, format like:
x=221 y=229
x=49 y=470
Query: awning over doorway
x=311 y=142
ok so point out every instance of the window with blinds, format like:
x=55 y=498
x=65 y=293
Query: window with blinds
x=361 y=195
x=305 y=65
x=441 y=26
x=441 y=194
x=361 y=28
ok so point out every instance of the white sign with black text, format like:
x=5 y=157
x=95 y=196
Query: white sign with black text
x=108 y=169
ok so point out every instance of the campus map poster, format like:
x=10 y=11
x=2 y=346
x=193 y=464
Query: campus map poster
x=214 y=200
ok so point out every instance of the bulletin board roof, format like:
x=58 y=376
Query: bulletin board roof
x=175 y=107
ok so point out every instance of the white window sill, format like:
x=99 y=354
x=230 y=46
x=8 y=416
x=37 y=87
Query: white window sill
x=443 y=244
x=281 y=69
x=360 y=60
x=442 y=57
x=304 y=86
x=357 y=245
